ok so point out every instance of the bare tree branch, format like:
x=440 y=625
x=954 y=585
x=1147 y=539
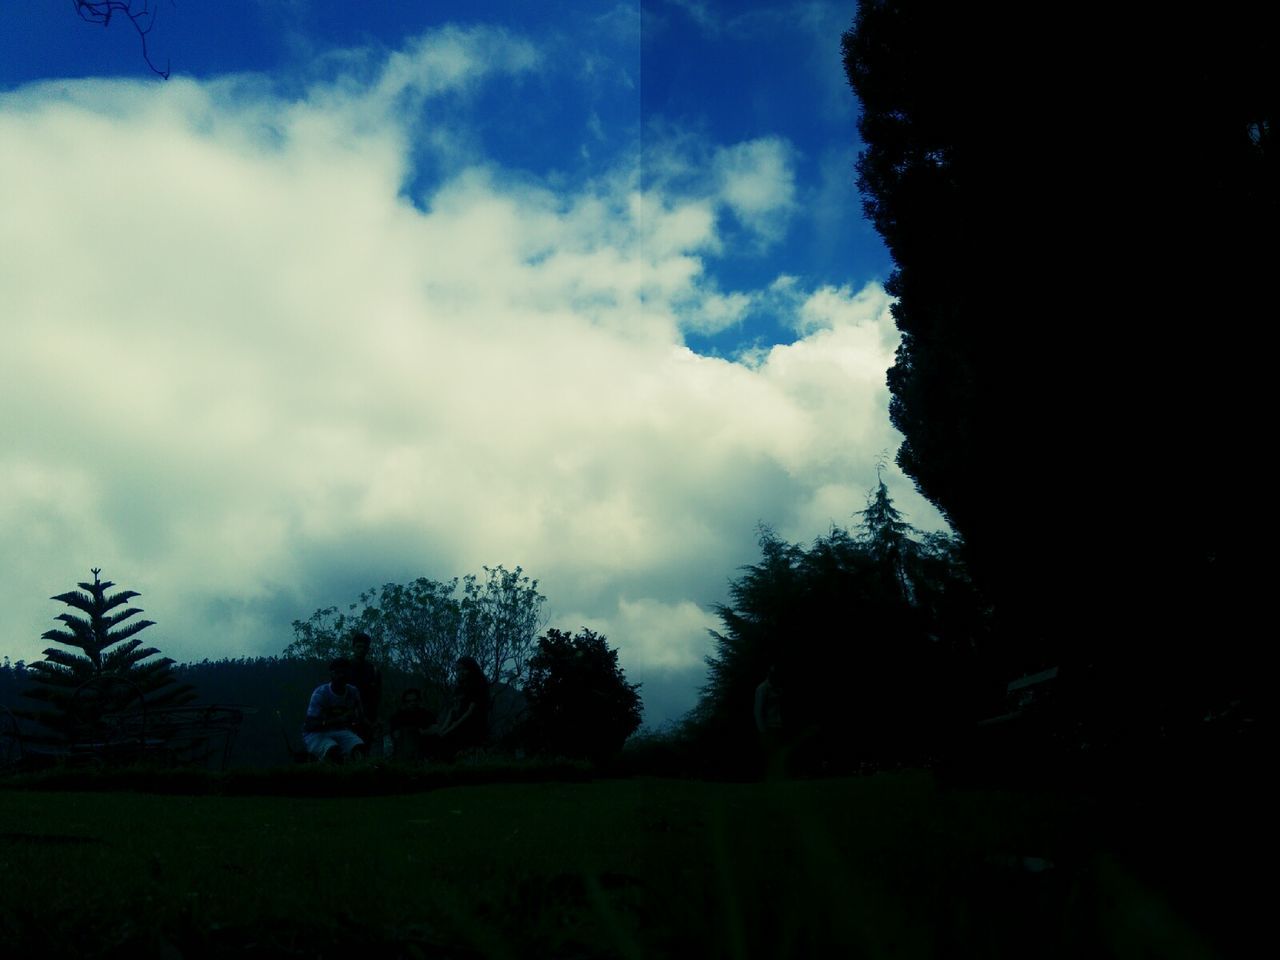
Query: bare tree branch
x=142 y=19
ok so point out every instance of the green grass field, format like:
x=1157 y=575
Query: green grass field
x=884 y=866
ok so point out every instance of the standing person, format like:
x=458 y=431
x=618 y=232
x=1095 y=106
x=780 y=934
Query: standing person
x=333 y=715
x=367 y=678
x=768 y=716
x=466 y=724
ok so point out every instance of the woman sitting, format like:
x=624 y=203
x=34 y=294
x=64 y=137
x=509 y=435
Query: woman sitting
x=465 y=725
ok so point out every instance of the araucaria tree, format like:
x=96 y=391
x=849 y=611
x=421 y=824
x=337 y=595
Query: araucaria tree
x=104 y=645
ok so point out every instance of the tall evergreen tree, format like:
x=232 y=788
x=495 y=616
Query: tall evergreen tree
x=1016 y=161
x=762 y=605
x=868 y=636
x=109 y=649
x=888 y=539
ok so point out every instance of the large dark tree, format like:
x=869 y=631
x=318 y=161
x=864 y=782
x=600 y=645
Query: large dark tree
x=1081 y=206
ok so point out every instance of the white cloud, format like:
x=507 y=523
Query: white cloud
x=242 y=372
x=751 y=182
x=712 y=312
x=756 y=181
x=656 y=636
x=449 y=59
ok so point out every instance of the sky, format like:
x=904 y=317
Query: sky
x=367 y=293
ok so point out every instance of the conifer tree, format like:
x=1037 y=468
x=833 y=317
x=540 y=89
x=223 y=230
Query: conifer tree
x=888 y=539
x=869 y=635
x=109 y=649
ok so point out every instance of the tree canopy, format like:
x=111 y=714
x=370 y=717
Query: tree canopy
x=1082 y=214
x=424 y=626
x=580 y=704
x=870 y=633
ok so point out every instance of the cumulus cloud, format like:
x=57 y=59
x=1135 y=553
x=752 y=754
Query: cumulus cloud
x=247 y=376
x=663 y=636
x=751 y=184
x=756 y=182
x=449 y=59
x=712 y=311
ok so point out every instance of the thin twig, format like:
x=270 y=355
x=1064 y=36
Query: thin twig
x=142 y=20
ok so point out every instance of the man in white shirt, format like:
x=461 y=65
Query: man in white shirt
x=332 y=715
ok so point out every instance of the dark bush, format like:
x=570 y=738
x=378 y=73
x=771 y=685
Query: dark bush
x=580 y=704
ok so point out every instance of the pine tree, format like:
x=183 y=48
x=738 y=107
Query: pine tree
x=869 y=635
x=110 y=650
x=756 y=621
x=889 y=540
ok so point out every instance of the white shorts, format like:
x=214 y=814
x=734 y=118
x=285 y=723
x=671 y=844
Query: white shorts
x=322 y=741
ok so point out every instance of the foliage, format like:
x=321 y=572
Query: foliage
x=957 y=388
x=501 y=617
x=868 y=633
x=1003 y=166
x=414 y=626
x=424 y=626
x=580 y=704
x=111 y=671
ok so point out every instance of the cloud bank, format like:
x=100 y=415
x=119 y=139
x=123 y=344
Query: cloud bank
x=247 y=372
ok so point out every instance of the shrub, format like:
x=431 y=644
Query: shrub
x=580 y=704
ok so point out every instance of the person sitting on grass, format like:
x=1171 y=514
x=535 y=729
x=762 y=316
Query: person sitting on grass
x=333 y=714
x=409 y=725
x=466 y=724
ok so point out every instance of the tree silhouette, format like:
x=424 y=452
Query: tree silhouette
x=424 y=626
x=501 y=617
x=111 y=669
x=415 y=627
x=871 y=637
x=888 y=539
x=950 y=177
x=579 y=702
x=1059 y=268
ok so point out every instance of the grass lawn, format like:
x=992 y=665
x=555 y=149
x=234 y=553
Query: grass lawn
x=884 y=866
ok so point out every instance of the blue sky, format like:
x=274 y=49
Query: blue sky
x=368 y=292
